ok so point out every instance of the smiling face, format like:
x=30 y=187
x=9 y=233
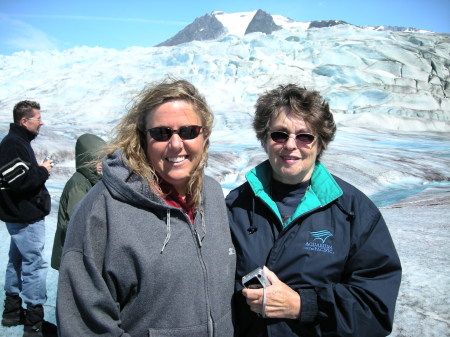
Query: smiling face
x=292 y=162
x=174 y=159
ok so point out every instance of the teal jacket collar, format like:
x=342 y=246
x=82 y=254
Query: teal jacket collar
x=323 y=190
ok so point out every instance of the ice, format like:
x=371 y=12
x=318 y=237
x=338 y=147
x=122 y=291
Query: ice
x=390 y=97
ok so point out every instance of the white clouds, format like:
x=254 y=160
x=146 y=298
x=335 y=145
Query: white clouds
x=19 y=35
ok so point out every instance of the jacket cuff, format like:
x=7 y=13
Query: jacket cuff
x=309 y=306
x=43 y=168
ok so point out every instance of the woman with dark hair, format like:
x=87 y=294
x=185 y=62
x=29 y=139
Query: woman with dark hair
x=148 y=250
x=331 y=265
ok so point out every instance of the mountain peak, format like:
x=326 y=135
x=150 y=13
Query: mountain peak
x=262 y=22
x=206 y=27
x=219 y=24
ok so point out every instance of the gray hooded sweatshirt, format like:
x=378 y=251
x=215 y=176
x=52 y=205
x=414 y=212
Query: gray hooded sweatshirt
x=134 y=266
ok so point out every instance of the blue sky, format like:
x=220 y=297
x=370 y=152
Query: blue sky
x=57 y=24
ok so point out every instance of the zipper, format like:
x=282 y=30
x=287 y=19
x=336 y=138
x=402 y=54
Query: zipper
x=294 y=221
x=197 y=236
x=205 y=271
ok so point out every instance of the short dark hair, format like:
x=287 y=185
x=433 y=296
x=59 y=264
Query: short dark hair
x=307 y=104
x=24 y=109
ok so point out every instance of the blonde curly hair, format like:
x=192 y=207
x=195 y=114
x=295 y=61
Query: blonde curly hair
x=130 y=133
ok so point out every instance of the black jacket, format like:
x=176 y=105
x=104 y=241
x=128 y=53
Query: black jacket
x=336 y=251
x=23 y=196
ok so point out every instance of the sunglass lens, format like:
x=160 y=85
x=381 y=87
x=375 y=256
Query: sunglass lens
x=282 y=137
x=279 y=137
x=161 y=134
x=189 y=132
x=305 y=138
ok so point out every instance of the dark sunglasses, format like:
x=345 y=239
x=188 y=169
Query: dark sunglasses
x=282 y=137
x=163 y=134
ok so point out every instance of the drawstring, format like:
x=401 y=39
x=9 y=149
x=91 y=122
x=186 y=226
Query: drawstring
x=200 y=239
x=203 y=224
x=168 y=232
x=253 y=228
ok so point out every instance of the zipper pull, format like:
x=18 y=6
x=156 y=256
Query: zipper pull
x=199 y=240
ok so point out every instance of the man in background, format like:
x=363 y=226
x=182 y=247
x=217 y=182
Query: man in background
x=24 y=203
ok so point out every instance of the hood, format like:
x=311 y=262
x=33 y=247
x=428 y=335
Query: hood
x=126 y=186
x=86 y=149
x=86 y=152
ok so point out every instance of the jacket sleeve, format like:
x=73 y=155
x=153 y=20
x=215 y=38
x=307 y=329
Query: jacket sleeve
x=85 y=305
x=363 y=303
x=21 y=173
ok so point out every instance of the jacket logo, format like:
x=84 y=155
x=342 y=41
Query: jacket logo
x=321 y=235
x=231 y=251
x=317 y=244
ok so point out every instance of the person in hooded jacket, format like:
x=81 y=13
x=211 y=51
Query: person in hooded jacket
x=87 y=175
x=148 y=250
x=325 y=248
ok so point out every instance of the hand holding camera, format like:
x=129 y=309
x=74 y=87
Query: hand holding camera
x=268 y=296
x=51 y=158
x=48 y=163
x=256 y=279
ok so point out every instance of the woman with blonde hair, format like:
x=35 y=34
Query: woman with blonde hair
x=149 y=251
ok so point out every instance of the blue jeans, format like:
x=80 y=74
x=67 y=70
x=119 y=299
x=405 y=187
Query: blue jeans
x=26 y=272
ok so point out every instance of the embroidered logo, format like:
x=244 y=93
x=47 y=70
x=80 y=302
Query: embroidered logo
x=321 y=235
x=318 y=243
x=231 y=251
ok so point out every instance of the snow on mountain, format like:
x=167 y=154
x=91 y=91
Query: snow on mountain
x=235 y=23
x=397 y=29
x=290 y=24
x=219 y=24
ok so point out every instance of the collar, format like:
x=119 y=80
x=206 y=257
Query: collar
x=22 y=132
x=323 y=189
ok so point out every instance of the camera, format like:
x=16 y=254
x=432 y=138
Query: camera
x=256 y=279
x=50 y=157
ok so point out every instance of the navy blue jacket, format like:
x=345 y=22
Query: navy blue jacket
x=335 y=250
x=23 y=196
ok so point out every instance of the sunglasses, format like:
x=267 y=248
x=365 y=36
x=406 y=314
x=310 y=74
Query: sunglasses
x=282 y=137
x=163 y=134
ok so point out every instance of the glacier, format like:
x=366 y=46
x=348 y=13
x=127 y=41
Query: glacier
x=389 y=92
